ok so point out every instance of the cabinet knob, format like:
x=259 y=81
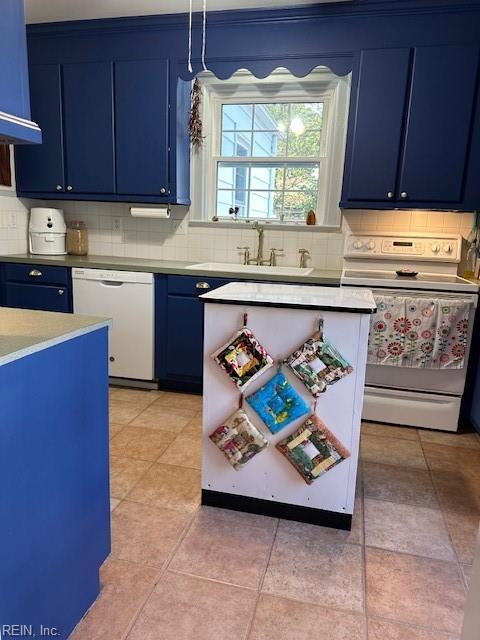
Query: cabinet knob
x=404 y=194
x=35 y=273
x=58 y=187
x=202 y=285
x=163 y=190
x=61 y=292
x=390 y=195
x=69 y=187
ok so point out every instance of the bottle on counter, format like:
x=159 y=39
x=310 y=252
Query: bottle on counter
x=470 y=261
x=77 y=238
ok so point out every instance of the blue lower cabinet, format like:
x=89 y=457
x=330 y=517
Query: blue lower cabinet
x=179 y=330
x=55 y=529
x=29 y=286
x=42 y=297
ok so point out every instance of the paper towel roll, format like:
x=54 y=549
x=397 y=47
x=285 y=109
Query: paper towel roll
x=161 y=213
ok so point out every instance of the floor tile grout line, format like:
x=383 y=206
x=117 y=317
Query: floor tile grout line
x=249 y=628
x=210 y=579
x=161 y=574
x=412 y=625
x=364 y=549
x=462 y=577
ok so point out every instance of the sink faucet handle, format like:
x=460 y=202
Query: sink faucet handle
x=246 y=254
x=304 y=254
x=273 y=256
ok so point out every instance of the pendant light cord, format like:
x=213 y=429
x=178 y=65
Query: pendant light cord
x=190 y=16
x=204 y=34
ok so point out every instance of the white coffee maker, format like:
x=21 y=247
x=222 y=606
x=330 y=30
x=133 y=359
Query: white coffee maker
x=47 y=231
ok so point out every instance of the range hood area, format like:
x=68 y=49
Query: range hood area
x=16 y=127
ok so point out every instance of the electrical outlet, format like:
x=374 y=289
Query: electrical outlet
x=117 y=224
x=12 y=223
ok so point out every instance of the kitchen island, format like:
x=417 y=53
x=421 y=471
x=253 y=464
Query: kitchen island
x=291 y=359
x=54 y=496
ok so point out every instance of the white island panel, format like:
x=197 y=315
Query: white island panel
x=269 y=476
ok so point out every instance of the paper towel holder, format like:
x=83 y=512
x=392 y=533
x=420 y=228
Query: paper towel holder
x=160 y=213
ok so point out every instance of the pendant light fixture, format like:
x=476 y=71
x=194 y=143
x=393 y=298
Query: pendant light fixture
x=204 y=35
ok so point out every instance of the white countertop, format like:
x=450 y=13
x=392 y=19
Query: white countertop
x=23 y=332
x=344 y=299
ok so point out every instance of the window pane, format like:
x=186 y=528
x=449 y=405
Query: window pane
x=304 y=145
x=298 y=203
x=272 y=117
x=264 y=204
x=227 y=199
x=236 y=143
x=302 y=177
x=266 y=177
x=237 y=117
x=309 y=113
x=269 y=144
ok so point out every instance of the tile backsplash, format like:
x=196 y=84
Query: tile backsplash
x=13 y=223
x=112 y=231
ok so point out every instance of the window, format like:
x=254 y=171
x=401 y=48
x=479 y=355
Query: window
x=269 y=161
x=272 y=148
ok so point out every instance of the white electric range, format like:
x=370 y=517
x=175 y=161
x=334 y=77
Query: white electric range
x=428 y=398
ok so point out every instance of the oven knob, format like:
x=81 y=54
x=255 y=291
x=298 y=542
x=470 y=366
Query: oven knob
x=435 y=248
x=370 y=245
x=448 y=248
x=358 y=244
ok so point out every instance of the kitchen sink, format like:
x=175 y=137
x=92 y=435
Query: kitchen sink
x=228 y=267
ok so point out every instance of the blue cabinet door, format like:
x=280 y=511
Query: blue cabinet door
x=439 y=124
x=376 y=125
x=41 y=297
x=141 y=132
x=184 y=348
x=88 y=114
x=40 y=168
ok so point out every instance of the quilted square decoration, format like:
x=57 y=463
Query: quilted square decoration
x=243 y=358
x=277 y=403
x=238 y=439
x=312 y=449
x=318 y=364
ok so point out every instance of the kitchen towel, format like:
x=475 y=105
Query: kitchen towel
x=419 y=332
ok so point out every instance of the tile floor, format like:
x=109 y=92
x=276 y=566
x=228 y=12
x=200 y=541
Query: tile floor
x=181 y=572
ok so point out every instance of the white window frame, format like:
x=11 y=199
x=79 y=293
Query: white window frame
x=215 y=93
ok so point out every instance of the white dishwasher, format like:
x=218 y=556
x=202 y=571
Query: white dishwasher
x=128 y=299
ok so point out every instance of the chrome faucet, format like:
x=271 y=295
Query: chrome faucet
x=304 y=254
x=259 y=259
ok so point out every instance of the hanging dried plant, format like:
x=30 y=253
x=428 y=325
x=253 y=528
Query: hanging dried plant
x=195 y=126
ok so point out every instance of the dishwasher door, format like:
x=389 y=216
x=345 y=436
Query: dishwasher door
x=128 y=299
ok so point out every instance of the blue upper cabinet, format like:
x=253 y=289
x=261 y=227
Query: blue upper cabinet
x=409 y=143
x=40 y=168
x=107 y=129
x=378 y=124
x=142 y=127
x=15 y=124
x=437 y=137
x=88 y=113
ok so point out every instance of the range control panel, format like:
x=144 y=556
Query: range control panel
x=439 y=248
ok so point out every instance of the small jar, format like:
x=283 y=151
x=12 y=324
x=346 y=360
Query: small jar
x=77 y=238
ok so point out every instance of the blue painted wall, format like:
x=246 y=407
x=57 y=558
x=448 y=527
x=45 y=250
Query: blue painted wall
x=54 y=496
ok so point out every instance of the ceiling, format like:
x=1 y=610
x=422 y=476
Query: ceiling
x=58 y=10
